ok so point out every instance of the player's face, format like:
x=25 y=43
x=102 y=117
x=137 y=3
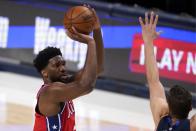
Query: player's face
x=56 y=69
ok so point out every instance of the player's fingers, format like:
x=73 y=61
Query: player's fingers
x=93 y=10
x=77 y=33
x=155 y=21
x=69 y=34
x=74 y=30
x=94 y=13
x=141 y=21
x=73 y=36
x=87 y=5
x=151 y=17
x=146 y=18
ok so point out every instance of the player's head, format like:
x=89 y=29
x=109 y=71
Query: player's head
x=179 y=101
x=50 y=64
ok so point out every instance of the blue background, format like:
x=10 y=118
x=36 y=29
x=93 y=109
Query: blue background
x=114 y=36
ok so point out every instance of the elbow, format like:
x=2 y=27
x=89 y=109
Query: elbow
x=90 y=90
x=92 y=86
x=88 y=85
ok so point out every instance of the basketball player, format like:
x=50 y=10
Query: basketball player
x=55 y=109
x=169 y=113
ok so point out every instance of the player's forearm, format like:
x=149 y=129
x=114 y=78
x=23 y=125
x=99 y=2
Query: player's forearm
x=151 y=64
x=89 y=71
x=99 y=49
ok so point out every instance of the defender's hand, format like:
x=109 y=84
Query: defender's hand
x=149 y=27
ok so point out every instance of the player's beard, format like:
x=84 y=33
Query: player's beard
x=55 y=79
x=63 y=79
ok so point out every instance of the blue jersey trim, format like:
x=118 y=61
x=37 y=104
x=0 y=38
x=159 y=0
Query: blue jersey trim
x=54 y=123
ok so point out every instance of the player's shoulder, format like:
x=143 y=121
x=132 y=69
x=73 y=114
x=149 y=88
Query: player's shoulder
x=162 y=106
x=160 y=110
x=193 y=123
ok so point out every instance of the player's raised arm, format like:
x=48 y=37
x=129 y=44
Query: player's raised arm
x=97 y=35
x=85 y=83
x=157 y=94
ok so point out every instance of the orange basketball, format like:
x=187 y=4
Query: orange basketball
x=80 y=17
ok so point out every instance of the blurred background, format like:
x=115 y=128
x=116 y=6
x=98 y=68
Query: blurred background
x=121 y=98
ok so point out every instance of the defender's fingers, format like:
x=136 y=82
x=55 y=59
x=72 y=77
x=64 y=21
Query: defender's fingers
x=141 y=21
x=146 y=18
x=151 y=17
x=155 y=21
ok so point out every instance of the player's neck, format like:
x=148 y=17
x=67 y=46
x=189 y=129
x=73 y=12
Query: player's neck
x=174 y=119
x=47 y=81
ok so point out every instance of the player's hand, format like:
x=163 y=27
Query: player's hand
x=79 y=36
x=149 y=27
x=97 y=22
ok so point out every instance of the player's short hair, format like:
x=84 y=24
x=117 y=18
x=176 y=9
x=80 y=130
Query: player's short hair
x=41 y=60
x=179 y=101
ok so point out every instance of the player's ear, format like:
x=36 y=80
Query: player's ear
x=44 y=73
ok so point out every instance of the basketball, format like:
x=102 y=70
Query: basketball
x=81 y=18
